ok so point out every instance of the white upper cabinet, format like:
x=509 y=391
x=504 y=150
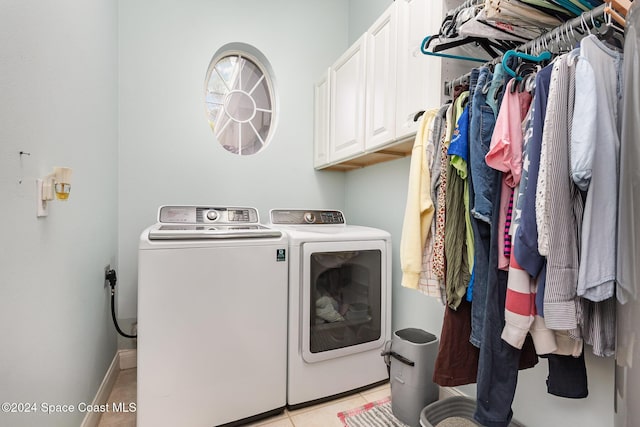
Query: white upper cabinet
x=347 y=103
x=321 y=121
x=376 y=88
x=419 y=76
x=380 y=122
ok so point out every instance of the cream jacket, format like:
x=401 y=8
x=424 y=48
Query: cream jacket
x=419 y=210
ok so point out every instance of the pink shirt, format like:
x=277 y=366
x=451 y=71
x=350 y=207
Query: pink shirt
x=505 y=153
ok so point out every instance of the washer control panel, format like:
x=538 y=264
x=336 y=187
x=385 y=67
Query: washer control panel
x=304 y=217
x=207 y=215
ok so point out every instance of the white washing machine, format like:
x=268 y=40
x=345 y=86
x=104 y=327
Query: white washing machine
x=339 y=304
x=212 y=318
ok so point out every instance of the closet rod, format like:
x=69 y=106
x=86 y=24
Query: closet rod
x=587 y=19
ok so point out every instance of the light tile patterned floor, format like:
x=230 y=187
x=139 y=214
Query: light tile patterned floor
x=124 y=390
x=322 y=415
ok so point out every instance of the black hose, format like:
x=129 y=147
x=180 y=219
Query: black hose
x=111 y=277
x=115 y=322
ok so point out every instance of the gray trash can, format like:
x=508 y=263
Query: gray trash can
x=412 y=356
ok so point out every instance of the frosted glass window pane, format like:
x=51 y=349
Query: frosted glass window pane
x=239 y=100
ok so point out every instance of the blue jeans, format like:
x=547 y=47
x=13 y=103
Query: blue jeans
x=496 y=89
x=481 y=242
x=484 y=182
x=480 y=131
x=499 y=362
x=473 y=83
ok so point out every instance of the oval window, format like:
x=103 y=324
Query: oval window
x=239 y=98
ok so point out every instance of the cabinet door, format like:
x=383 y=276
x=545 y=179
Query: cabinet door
x=381 y=80
x=347 y=103
x=321 y=122
x=419 y=76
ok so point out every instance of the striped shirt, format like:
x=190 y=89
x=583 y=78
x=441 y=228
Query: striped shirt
x=564 y=206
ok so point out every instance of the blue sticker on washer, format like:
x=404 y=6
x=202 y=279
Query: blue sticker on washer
x=281 y=255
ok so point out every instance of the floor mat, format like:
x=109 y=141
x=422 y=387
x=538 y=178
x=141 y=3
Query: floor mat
x=372 y=414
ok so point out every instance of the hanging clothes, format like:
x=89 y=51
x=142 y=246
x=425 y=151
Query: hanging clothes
x=595 y=147
x=563 y=203
x=567 y=376
x=600 y=69
x=429 y=283
x=599 y=326
x=505 y=155
x=459 y=152
x=419 y=210
x=455 y=244
x=532 y=270
x=498 y=362
x=457 y=360
x=526 y=235
x=439 y=264
x=628 y=268
x=484 y=181
x=521 y=316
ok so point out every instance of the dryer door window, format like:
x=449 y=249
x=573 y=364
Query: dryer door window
x=343 y=300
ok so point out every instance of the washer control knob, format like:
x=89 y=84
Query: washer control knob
x=309 y=218
x=212 y=215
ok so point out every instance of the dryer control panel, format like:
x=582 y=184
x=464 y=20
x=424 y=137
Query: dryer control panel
x=304 y=217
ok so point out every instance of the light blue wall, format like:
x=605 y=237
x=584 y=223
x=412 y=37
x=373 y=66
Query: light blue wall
x=376 y=197
x=167 y=151
x=58 y=85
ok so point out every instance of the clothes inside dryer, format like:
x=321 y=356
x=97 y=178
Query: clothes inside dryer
x=345 y=300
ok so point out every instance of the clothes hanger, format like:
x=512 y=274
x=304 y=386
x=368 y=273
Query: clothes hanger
x=564 y=44
x=584 y=27
x=425 y=44
x=493 y=48
x=571 y=35
x=544 y=56
x=613 y=13
x=527 y=77
x=526 y=84
x=621 y=6
x=523 y=71
x=612 y=35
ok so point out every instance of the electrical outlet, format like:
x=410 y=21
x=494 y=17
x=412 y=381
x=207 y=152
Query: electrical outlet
x=106 y=270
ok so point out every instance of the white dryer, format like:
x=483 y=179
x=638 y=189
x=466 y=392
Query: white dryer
x=212 y=322
x=339 y=304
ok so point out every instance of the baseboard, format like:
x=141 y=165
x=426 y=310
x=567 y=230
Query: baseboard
x=446 y=392
x=91 y=419
x=123 y=359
